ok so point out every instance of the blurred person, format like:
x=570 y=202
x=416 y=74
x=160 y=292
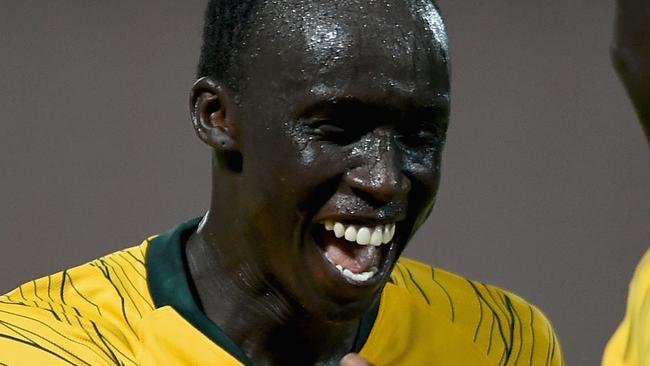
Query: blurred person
x=630 y=345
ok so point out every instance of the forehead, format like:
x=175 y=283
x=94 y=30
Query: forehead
x=349 y=46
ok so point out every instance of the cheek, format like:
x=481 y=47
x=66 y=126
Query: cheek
x=425 y=179
x=321 y=158
x=292 y=170
x=318 y=168
x=424 y=167
x=316 y=159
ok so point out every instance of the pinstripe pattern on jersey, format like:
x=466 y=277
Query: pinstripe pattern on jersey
x=58 y=319
x=509 y=330
x=94 y=314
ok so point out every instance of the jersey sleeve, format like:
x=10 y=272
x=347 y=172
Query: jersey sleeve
x=36 y=330
x=630 y=344
x=505 y=327
x=87 y=315
x=533 y=340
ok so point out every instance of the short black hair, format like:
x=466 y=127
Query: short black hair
x=226 y=24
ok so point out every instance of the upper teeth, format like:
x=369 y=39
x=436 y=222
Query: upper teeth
x=363 y=235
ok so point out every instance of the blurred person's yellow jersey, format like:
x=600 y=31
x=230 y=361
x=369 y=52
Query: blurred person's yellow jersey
x=630 y=345
x=136 y=307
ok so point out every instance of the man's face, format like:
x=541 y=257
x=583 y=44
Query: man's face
x=341 y=115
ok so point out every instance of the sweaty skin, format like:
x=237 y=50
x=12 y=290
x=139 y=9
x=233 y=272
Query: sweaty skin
x=336 y=111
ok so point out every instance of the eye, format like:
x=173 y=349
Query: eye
x=422 y=134
x=331 y=131
x=328 y=129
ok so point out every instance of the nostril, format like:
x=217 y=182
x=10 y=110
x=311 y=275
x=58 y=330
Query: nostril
x=371 y=199
x=405 y=184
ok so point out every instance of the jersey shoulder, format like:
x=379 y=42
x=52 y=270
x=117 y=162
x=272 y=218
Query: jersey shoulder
x=84 y=315
x=509 y=329
x=630 y=344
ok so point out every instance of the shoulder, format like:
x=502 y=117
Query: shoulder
x=87 y=313
x=628 y=344
x=503 y=324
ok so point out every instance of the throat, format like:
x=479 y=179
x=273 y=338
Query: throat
x=305 y=342
x=266 y=327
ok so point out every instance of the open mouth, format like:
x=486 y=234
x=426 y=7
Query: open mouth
x=358 y=253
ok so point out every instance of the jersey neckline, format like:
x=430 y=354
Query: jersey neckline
x=169 y=285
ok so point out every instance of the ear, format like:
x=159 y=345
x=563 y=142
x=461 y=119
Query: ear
x=212 y=114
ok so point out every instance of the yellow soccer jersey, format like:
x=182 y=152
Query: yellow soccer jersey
x=135 y=307
x=630 y=345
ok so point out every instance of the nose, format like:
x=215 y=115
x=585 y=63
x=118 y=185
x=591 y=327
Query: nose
x=380 y=178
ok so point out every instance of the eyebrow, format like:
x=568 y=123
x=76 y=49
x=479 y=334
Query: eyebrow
x=439 y=103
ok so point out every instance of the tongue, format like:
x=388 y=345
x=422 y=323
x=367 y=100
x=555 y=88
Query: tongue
x=357 y=258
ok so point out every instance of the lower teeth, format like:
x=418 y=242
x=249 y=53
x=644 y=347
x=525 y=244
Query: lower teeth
x=358 y=277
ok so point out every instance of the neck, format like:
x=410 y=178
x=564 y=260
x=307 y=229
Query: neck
x=268 y=327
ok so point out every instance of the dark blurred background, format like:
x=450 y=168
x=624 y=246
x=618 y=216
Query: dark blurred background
x=546 y=172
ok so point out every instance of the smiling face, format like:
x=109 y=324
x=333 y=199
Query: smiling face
x=341 y=117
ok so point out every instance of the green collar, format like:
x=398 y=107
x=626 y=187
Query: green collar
x=169 y=285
